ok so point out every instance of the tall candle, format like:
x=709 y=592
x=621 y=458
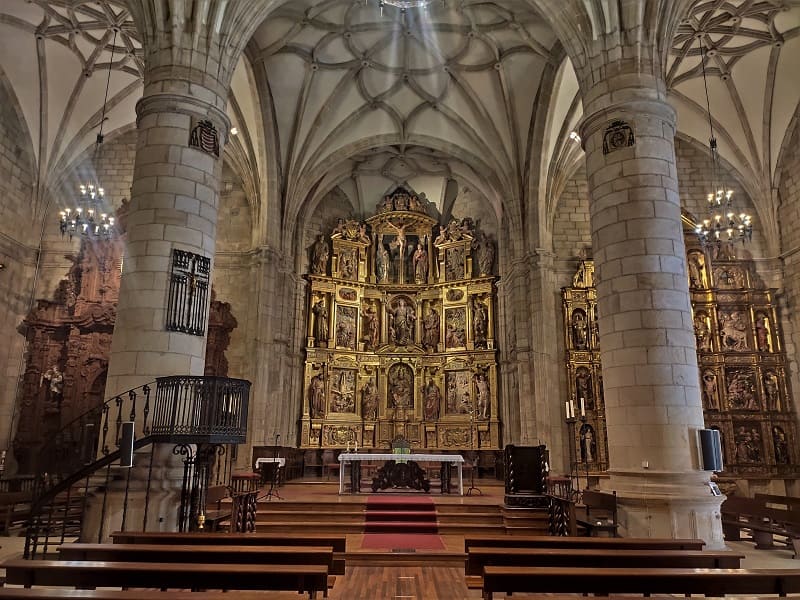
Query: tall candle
x=571 y=409
x=583 y=408
x=566 y=408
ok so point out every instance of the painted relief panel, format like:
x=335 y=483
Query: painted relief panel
x=343 y=390
x=455 y=328
x=346 y=327
x=457 y=394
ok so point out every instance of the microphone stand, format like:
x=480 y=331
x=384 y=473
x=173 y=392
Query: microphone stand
x=472 y=487
x=273 y=484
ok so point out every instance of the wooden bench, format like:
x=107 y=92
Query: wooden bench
x=218 y=554
x=520 y=541
x=89 y=574
x=599 y=513
x=217 y=511
x=761 y=521
x=478 y=558
x=17 y=593
x=711 y=582
x=238 y=539
x=14 y=509
x=784 y=502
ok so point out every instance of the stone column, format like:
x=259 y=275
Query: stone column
x=173 y=206
x=647 y=344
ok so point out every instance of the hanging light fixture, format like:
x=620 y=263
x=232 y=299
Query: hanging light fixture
x=724 y=222
x=404 y=5
x=89 y=216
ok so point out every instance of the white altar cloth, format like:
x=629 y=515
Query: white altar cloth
x=346 y=457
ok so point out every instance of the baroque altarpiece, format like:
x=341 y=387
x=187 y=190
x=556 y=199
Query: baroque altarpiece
x=401 y=338
x=741 y=367
x=69 y=342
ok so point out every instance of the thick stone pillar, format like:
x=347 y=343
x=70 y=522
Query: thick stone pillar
x=647 y=344
x=173 y=206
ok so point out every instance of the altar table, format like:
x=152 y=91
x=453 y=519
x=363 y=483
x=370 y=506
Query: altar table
x=354 y=457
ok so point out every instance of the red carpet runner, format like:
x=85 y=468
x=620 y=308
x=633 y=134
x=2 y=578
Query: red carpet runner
x=401 y=522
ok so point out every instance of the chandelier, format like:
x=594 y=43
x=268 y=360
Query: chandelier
x=404 y=5
x=89 y=216
x=724 y=223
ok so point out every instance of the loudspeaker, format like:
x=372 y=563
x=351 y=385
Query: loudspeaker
x=710 y=449
x=126 y=444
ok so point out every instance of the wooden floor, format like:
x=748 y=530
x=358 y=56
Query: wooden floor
x=390 y=575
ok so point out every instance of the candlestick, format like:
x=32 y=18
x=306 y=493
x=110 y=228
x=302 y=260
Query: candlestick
x=356 y=446
x=348 y=446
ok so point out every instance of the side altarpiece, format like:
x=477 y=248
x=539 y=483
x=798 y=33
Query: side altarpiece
x=69 y=342
x=401 y=338
x=741 y=368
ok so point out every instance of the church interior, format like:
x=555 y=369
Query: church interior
x=257 y=248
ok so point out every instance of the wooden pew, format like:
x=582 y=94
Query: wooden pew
x=217 y=554
x=52 y=593
x=784 y=502
x=762 y=521
x=89 y=574
x=239 y=539
x=711 y=582
x=14 y=509
x=478 y=558
x=520 y=541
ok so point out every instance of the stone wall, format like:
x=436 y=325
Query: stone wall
x=789 y=219
x=18 y=234
x=472 y=204
x=571 y=232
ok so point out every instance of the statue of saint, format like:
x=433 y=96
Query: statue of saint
x=400 y=386
x=588 y=444
x=431 y=329
x=369 y=401
x=320 y=311
x=382 y=263
x=316 y=396
x=420 y=260
x=583 y=387
x=483 y=397
x=371 y=328
x=484 y=248
x=55 y=381
x=319 y=256
x=403 y=319
x=710 y=390
x=772 y=391
x=701 y=333
x=480 y=323
x=781 y=446
x=762 y=333
x=580 y=330
x=696 y=266
x=433 y=399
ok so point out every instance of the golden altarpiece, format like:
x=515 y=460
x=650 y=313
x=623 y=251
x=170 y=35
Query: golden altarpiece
x=741 y=368
x=401 y=341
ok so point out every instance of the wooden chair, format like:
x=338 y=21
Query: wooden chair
x=330 y=464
